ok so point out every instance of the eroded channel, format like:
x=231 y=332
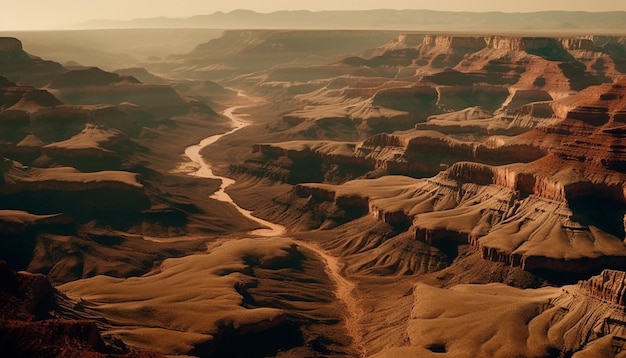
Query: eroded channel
x=195 y=165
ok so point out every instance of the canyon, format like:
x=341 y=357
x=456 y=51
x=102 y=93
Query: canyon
x=298 y=193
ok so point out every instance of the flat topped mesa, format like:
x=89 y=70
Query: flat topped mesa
x=455 y=41
x=10 y=44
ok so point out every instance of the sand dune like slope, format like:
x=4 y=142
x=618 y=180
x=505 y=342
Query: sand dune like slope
x=189 y=305
x=495 y=320
x=531 y=232
x=475 y=321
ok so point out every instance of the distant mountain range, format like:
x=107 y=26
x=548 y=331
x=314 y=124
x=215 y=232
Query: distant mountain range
x=424 y=20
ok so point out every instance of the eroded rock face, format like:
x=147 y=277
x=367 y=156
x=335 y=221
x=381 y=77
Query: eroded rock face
x=28 y=329
x=65 y=189
x=475 y=43
x=530 y=232
x=15 y=222
x=590 y=314
x=584 y=320
x=94 y=148
x=10 y=44
x=561 y=211
x=95 y=86
x=417 y=153
x=19 y=66
x=609 y=286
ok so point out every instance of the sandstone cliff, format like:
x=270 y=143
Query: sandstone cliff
x=584 y=320
x=416 y=153
x=19 y=66
x=28 y=327
x=95 y=86
x=66 y=189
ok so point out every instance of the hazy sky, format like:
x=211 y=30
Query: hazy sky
x=46 y=14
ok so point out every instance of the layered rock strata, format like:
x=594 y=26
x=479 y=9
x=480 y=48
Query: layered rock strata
x=584 y=320
x=416 y=153
x=19 y=66
x=28 y=327
x=65 y=189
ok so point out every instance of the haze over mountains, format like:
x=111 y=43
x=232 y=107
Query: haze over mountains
x=423 y=20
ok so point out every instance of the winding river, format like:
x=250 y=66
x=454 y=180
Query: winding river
x=195 y=165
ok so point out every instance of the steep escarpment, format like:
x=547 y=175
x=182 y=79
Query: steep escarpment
x=95 y=86
x=561 y=212
x=28 y=326
x=94 y=148
x=66 y=189
x=584 y=320
x=416 y=153
x=10 y=45
x=404 y=83
x=19 y=66
x=531 y=232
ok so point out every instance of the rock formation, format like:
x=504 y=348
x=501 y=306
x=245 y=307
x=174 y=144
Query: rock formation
x=19 y=66
x=95 y=86
x=584 y=320
x=443 y=159
x=418 y=153
x=28 y=326
x=561 y=212
x=64 y=189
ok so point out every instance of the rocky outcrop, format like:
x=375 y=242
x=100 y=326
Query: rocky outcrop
x=419 y=153
x=512 y=43
x=28 y=329
x=578 y=44
x=19 y=66
x=589 y=314
x=89 y=77
x=95 y=86
x=304 y=161
x=454 y=42
x=503 y=222
x=94 y=148
x=64 y=189
x=403 y=41
x=17 y=97
x=609 y=286
x=144 y=76
x=25 y=296
x=581 y=320
x=521 y=97
x=369 y=108
x=10 y=44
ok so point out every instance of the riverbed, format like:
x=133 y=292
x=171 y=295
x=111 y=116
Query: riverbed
x=195 y=165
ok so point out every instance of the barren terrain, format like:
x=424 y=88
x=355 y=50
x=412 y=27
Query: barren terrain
x=315 y=193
